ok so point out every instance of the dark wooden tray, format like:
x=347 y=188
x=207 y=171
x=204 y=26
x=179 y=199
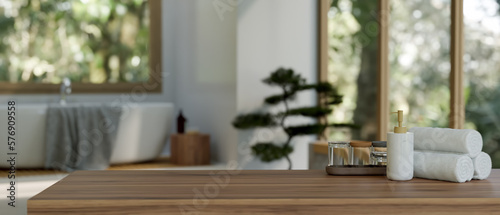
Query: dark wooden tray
x=356 y=170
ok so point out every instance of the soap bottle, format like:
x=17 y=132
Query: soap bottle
x=181 y=123
x=400 y=152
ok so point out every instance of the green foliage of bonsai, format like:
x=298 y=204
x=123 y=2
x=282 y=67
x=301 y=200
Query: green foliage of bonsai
x=290 y=84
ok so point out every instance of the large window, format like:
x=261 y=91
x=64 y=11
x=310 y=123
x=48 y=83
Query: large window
x=100 y=45
x=482 y=72
x=352 y=59
x=419 y=61
x=442 y=57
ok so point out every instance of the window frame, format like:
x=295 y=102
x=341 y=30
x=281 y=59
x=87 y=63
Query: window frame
x=457 y=106
x=153 y=85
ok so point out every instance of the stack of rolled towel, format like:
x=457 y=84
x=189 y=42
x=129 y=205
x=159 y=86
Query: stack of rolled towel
x=450 y=154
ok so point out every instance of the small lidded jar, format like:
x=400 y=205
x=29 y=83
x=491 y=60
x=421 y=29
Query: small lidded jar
x=379 y=158
x=379 y=153
x=338 y=153
x=361 y=151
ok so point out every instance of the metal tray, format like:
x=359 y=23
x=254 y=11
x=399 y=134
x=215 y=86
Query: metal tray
x=356 y=170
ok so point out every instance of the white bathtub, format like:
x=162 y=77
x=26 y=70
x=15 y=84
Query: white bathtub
x=142 y=133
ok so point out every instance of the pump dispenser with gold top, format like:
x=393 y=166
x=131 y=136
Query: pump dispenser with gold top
x=400 y=152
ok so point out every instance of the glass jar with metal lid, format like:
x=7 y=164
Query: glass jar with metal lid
x=379 y=158
x=379 y=153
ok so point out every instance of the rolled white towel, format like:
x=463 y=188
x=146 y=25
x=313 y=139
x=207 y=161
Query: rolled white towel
x=443 y=166
x=482 y=166
x=465 y=141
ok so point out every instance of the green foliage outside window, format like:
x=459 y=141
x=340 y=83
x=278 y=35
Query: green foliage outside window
x=89 y=41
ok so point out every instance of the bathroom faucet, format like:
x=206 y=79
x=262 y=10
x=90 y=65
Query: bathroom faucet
x=65 y=90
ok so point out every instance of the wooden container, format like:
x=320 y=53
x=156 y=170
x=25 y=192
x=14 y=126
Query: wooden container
x=190 y=149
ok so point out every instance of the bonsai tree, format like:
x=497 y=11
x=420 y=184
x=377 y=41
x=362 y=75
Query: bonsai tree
x=290 y=84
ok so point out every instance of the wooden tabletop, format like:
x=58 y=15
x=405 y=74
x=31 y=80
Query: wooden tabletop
x=260 y=191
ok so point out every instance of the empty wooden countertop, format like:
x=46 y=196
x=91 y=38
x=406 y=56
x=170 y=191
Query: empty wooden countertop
x=260 y=191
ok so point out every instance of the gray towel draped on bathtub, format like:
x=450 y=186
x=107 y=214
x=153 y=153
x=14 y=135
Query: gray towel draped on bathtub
x=80 y=137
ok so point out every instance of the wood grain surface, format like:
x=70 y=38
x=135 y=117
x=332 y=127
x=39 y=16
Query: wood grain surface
x=260 y=191
x=190 y=149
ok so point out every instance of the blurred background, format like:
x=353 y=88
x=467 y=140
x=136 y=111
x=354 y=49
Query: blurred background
x=108 y=41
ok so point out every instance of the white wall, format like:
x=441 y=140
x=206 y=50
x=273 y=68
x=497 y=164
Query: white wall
x=202 y=51
x=273 y=34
